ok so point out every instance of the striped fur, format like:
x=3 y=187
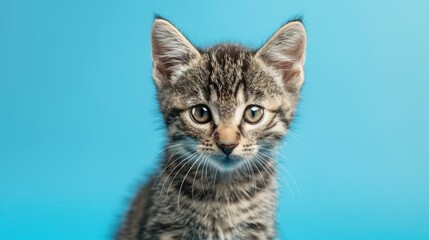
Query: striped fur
x=199 y=192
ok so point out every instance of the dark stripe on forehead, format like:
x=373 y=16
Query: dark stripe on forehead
x=246 y=62
x=227 y=67
x=232 y=55
x=241 y=83
x=212 y=85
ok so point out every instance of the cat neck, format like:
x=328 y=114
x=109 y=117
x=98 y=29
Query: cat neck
x=227 y=203
x=203 y=181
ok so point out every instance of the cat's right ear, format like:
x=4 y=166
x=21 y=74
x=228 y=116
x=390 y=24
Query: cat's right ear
x=171 y=53
x=285 y=53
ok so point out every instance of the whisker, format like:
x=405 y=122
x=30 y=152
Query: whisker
x=169 y=146
x=254 y=175
x=214 y=179
x=186 y=163
x=256 y=166
x=248 y=171
x=165 y=168
x=195 y=177
x=279 y=164
x=295 y=136
x=204 y=172
x=290 y=175
x=260 y=158
x=166 y=179
x=184 y=178
x=273 y=152
x=303 y=156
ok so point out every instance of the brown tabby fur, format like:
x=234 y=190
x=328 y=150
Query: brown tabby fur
x=199 y=193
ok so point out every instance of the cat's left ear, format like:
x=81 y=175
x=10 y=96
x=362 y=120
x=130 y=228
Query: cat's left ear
x=171 y=52
x=284 y=52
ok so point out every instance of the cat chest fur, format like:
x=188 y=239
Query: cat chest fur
x=221 y=211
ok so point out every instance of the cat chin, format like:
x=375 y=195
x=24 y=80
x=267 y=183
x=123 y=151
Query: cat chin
x=226 y=163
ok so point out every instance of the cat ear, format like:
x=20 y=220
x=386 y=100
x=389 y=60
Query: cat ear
x=171 y=52
x=285 y=53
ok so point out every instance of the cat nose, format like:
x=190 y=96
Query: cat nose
x=227 y=148
x=226 y=138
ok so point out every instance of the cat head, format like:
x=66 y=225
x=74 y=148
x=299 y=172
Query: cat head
x=227 y=104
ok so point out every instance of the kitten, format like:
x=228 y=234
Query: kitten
x=226 y=109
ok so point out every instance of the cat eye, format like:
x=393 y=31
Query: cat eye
x=253 y=114
x=201 y=114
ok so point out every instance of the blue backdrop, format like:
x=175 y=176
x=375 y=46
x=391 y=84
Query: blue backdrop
x=79 y=127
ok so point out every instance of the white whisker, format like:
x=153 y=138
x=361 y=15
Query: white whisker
x=184 y=178
x=166 y=179
x=165 y=168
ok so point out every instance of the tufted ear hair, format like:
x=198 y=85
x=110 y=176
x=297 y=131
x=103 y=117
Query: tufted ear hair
x=171 y=53
x=285 y=53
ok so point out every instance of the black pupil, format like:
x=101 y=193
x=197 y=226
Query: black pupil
x=254 y=110
x=202 y=111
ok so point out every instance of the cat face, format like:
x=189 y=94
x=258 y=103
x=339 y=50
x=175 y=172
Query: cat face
x=227 y=104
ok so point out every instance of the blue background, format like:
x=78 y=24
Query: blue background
x=79 y=127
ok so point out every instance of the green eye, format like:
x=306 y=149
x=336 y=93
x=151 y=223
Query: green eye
x=253 y=114
x=201 y=114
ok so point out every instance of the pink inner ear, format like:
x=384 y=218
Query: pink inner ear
x=287 y=68
x=170 y=50
x=289 y=76
x=285 y=52
x=290 y=65
x=162 y=63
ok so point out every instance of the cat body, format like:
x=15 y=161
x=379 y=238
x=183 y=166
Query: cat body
x=226 y=109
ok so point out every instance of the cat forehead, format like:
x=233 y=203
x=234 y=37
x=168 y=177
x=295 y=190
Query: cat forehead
x=225 y=75
x=227 y=59
x=228 y=67
x=229 y=52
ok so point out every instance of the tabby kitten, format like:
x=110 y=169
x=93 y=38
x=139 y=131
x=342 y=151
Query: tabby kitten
x=226 y=109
